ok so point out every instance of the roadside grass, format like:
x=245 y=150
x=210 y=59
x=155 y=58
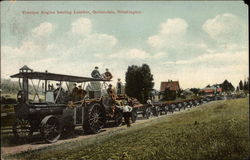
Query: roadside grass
x=214 y=131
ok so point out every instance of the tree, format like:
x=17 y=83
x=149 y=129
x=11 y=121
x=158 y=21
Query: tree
x=195 y=90
x=245 y=86
x=237 y=89
x=241 y=85
x=248 y=84
x=227 y=86
x=139 y=82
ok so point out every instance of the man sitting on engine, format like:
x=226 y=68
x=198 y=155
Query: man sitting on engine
x=96 y=74
x=107 y=75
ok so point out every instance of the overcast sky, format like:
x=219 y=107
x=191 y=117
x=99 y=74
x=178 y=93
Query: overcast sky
x=197 y=43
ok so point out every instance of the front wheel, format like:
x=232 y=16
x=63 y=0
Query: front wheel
x=134 y=115
x=22 y=129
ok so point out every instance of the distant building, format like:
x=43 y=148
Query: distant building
x=155 y=95
x=211 y=90
x=171 y=85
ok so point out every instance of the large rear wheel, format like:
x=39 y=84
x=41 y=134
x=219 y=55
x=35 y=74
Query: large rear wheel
x=94 y=118
x=50 y=129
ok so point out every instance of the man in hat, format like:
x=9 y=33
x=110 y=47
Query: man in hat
x=111 y=93
x=58 y=86
x=81 y=93
x=96 y=74
x=119 y=86
x=74 y=93
x=107 y=75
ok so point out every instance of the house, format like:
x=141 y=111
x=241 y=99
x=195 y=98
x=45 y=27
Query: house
x=171 y=85
x=173 y=88
x=211 y=90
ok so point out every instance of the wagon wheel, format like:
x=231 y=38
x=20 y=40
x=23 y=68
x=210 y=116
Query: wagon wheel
x=172 y=108
x=118 y=118
x=50 y=129
x=22 y=129
x=147 y=112
x=184 y=106
x=179 y=107
x=94 y=119
x=166 y=109
x=161 y=110
x=134 y=115
x=156 y=111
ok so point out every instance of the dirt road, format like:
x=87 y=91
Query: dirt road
x=106 y=132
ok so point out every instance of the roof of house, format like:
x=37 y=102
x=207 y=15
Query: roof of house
x=211 y=89
x=172 y=85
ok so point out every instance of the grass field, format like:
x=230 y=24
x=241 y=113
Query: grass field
x=214 y=131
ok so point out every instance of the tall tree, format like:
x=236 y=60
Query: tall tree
x=139 y=82
x=195 y=90
x=241 y=85
x=237 y=89
x=227 y=86
x=245 y=86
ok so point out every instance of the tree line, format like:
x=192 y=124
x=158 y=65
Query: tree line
x=243 y=86
x=12 y=87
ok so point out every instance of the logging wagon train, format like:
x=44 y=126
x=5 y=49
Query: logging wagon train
x=60 y=110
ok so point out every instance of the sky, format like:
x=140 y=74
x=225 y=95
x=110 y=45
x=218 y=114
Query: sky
x=197 y=43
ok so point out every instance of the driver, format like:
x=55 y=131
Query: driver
x=74 y=93
x=111 y=93
x=81 y=93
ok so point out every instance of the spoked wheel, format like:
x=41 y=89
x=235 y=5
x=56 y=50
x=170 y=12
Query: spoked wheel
x=22 y=129
x=134 y=115
x=147 y=113
x=172 y=108
x=166 y=109
x=118 y=118
x=179 y=107
x=94 y=118
x=183 y=106
x=156 y=111
x=50 y=129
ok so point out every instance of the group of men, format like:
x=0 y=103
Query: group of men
x=106 y=75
